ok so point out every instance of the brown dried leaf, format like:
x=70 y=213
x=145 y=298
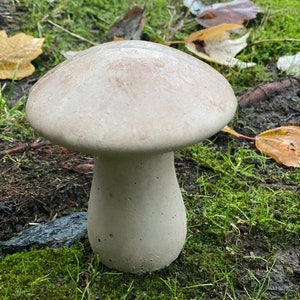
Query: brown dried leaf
x=214 y=44
x=16 y=53
x=236 y=12
x=282 y=144
x=130 y=27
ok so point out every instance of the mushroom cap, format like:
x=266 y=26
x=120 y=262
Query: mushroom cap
x=130 y=97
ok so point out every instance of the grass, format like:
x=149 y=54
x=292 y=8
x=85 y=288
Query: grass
x=13 y=124
x=232 y=200
x=93 y=22
x=234 y=181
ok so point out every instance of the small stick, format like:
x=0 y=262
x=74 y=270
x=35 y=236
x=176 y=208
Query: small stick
x=72 y=34
x=24 y=147
x=273 y=41
x=265 y=91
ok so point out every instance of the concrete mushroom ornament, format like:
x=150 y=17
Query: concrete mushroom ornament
x=130 y=104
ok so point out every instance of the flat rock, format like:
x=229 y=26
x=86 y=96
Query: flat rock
x=60 y=233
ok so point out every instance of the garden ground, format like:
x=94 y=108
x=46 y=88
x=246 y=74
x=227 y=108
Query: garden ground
x=243 y=208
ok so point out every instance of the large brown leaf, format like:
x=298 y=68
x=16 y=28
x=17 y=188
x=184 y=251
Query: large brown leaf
x=16 y=54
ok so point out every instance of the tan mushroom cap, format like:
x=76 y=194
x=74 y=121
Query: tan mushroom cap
x=130 y=97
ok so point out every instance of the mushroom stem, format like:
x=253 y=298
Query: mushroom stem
x=136 y=215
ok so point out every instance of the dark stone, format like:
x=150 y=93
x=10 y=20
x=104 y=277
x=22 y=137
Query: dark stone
x=61 y=233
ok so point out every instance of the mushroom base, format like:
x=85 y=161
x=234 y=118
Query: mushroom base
x=136 y=215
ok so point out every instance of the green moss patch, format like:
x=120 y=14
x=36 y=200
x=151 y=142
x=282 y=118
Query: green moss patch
x=40 y=274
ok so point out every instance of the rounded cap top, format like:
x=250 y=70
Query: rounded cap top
x=130 y=97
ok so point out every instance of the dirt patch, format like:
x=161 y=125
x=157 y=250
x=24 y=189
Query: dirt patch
x=39 y=186
x=280 y=109
x=276 y=270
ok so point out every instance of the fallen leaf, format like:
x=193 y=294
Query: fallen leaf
x=16 y=54
x=214 y=44
x=235 y=12
x=130 y=27
x=289 y=64
x=220 y=32
x=282 y=144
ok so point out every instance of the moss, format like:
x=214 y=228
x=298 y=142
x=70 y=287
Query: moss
x=94 y=20
x=90 y=21
x=40 y=274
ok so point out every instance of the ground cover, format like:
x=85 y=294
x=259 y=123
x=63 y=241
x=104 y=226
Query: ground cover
x=243 y=208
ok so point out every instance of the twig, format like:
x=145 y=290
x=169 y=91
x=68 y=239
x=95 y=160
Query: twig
x=24 y=148
x=274 y=41
x=266 y=91
x=72 y=34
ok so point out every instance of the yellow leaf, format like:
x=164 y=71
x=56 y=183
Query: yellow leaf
x=16 y=54
x=216 y=33
x=282 y=144
x=214 y=44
